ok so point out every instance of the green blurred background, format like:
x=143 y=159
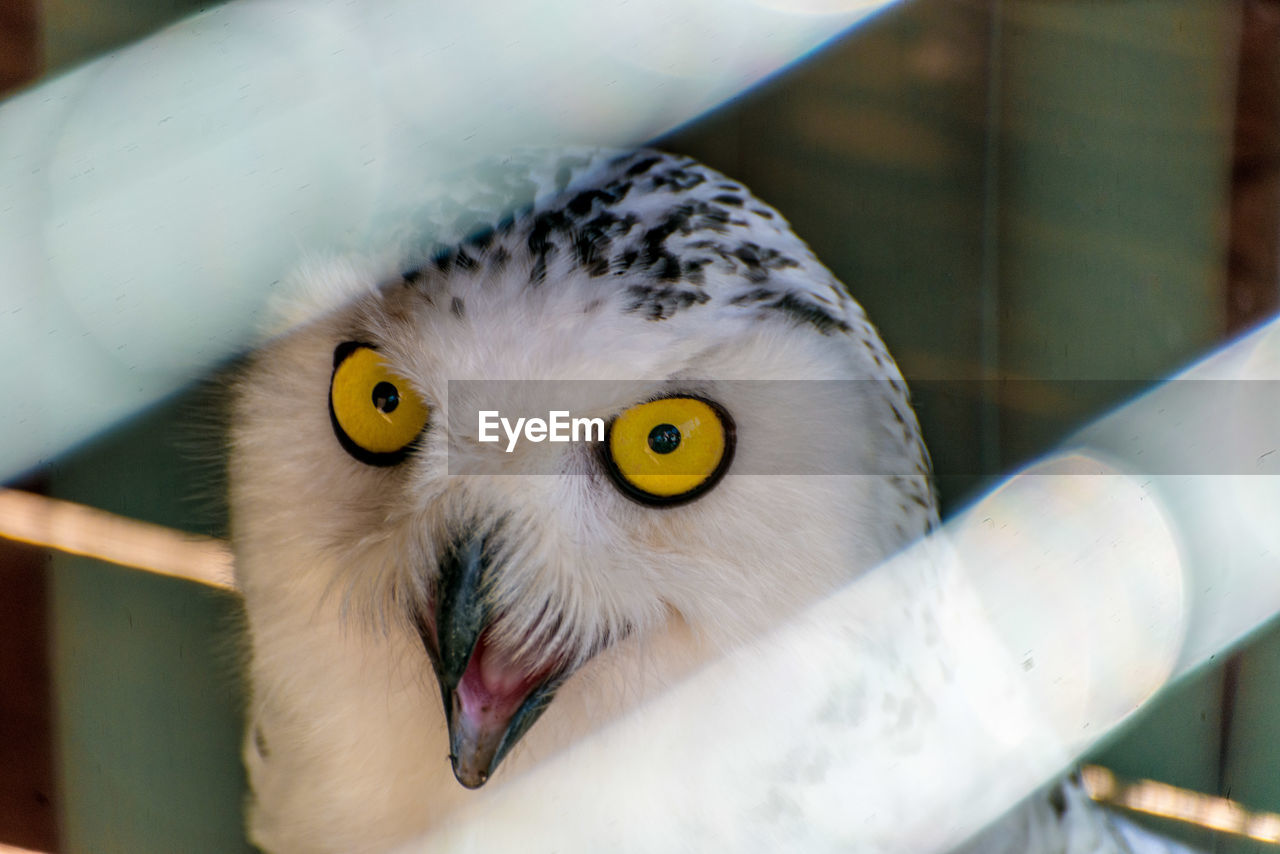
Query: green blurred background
x=1027 y=191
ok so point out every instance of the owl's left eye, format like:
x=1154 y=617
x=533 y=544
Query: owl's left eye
x=670 y=450
x=376 y=414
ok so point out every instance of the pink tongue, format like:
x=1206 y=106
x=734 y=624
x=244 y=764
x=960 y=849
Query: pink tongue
x=493 y=687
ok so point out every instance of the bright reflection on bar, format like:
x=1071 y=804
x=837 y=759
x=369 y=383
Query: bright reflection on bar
x=77 y=529
x=1166 y=801
x=1076 y=543
x=1215 y=422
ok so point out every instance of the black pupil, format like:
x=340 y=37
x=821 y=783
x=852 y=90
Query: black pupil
x=664 y=438
x=386 y=397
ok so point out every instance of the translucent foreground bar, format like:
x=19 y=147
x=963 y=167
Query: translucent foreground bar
x=933 y=693
x=152 y=201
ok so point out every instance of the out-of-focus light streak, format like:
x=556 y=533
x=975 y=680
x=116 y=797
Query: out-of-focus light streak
x=14 y=849
x=1161 y=799
x=77 y=529
x=157 y=198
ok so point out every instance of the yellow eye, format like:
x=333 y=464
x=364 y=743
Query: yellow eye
x=670 y=450
x=375 y=413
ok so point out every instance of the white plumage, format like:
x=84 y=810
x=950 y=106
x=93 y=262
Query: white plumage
x=380 y=580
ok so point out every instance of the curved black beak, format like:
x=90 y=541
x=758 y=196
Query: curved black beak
x=482 y=727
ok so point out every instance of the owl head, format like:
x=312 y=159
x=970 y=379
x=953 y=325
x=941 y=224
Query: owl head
x=743 y=444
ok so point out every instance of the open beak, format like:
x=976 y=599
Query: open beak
x=490 y=699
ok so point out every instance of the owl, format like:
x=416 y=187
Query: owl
x=446 y=580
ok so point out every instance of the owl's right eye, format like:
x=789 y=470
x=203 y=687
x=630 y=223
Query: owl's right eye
x=670 y=450
x=376 y=414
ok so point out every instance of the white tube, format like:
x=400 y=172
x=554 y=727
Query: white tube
x=152 y=200
x=919 y=703
x=1206 y=446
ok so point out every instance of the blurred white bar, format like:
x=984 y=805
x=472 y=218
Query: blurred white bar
x=915 y=706
x=1207 y=446
x=151 y=201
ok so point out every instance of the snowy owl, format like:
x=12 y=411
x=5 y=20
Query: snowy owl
x=434 y=598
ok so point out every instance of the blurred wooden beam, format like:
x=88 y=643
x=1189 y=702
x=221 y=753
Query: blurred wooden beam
x=1253 y=288
x=19 y=43
x=28 y=799
x=28 y=816
x=77 y=529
